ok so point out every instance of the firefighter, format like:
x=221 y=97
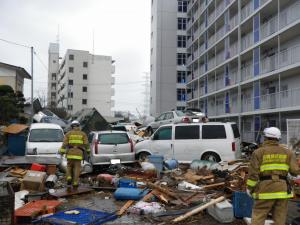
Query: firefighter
x=75 y=146
x=267 y=182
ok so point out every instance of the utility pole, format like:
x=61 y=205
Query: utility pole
x=32 y=111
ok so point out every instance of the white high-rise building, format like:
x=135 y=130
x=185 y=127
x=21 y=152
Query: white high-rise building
x=168 y=55
x=244 y=58
x=82 y=80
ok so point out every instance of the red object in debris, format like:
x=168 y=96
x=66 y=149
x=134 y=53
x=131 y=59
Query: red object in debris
x=297 y=182
x=105 y=177
x=38 y=167
x=34 y=209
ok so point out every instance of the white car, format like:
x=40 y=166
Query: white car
x=107 y=146
x=214 y=141
x=173 y=117
x=44 y=139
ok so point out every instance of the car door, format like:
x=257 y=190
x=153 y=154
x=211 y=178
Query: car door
x=187 y=142
x=161 y=142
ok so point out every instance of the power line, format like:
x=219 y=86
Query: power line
x=14 y=43
x=41 y=61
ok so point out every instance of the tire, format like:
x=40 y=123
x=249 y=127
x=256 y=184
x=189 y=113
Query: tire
x=143 y=156
x=211 y=156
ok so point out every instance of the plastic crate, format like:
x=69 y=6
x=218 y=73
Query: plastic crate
x=7 y=203
x=34 y=209
x=242 y=204
x=85 y=217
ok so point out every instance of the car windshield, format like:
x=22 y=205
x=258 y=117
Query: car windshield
x=46 y=135
x=113 y=138
x=187 y=113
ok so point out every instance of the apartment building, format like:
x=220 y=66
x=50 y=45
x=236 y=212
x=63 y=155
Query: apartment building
x=244 y=60
x=81 y=80
x=168 y=55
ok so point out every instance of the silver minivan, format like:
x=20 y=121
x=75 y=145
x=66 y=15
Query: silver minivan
x=108 y=147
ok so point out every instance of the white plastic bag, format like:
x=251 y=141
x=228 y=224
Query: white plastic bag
x=146 y=208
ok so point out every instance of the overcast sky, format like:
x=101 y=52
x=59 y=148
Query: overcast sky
x=121 y=30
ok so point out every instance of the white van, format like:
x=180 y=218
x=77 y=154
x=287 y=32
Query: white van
x=44 y=139
x=214 y=141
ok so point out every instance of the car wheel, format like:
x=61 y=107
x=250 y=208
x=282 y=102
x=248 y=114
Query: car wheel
x=143 y=156
x=211 y=156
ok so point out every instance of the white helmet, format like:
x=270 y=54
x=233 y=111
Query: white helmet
x=75 y=123
x=272 y=132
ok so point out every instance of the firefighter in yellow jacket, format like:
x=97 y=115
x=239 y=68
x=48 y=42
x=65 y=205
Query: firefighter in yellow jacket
x=268 y=183
x=75 y=146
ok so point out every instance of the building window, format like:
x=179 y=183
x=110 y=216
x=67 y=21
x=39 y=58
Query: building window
x=181 y=77
x=84 y=76
x=53 y=94
x=53 y=76
x=70 y=107
x=71 y=57
x=84 y=89
x=54 y=61
x=182 y=6
x=181 y=41
x=70 y=94
x=84 y=101
x=53 y=86
x=70 y=82
x=71 y=69
x=181 y=95
x=181 y=58
x=85 y=64
x=181 y=23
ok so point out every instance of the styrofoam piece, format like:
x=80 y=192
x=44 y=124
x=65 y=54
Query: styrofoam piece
x=267 y=222
x=222 y=212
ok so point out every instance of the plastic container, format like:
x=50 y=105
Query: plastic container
x=38 y=167
x=127 y=183
x=158 y=161
x=171 y=164
x=222 y=212
x=130 y=193
x=242 y=204
x=85 y=216
x=7 y=203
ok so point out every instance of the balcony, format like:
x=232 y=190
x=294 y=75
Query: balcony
x=268 y=64
x=233 y=22
x=233 y=50
x=189 y=42
x=233 y=77
x=201 y=49
x=247 y=10
x=201 y=91
x=247 y=71
x=220 y=33
x=211 y=40
x=211 y=64
x=283 y=99
x=220 y=57
x=247 y=41
x=220 y=109
x=189 y=78
x=220 y=8
x=211 y=86
x=211 y=17
x=289 y=15
x=269 y=28
x=189 y=60
x=201 y=70
x=220 y=82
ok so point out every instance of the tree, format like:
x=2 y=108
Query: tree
x=11 y=104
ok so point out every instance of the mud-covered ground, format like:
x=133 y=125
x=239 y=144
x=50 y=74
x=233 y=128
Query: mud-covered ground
x=104 y=201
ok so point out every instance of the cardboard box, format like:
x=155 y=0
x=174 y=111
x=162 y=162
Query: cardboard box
x=34 y=181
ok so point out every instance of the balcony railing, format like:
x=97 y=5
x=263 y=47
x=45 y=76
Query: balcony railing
x=283 y=99
x=211 y=17
x=233 y=49
x=247 y=72
x=201 y=70
x=189 y=60
x=211 y=86
x=269 y=27
x=289 y=15
x=233 y=22
x=211 y=64
x=220 y=8
x=247 y=41
x=247 y=10
x=220 y=33
x=201 y=49
x=211 y=40
x=220 y=82
x=189 y=42
x=233 y=77
x=220 y=57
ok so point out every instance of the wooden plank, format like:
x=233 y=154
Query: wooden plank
x=198 y=209
x=125 y=207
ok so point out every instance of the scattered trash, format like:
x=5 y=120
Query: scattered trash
x=183 y=185
x=144 y=208
x=33 y=181
x=50 y=181
x=222 y=212
x=199 y=164
x=130 y=193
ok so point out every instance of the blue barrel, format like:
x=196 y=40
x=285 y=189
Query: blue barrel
x=127 y=183
x=157 y=161
x=171 y=164
x=130 y=193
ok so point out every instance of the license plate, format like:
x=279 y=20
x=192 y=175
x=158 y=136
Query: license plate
x=115 y=161
x=195 y=120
